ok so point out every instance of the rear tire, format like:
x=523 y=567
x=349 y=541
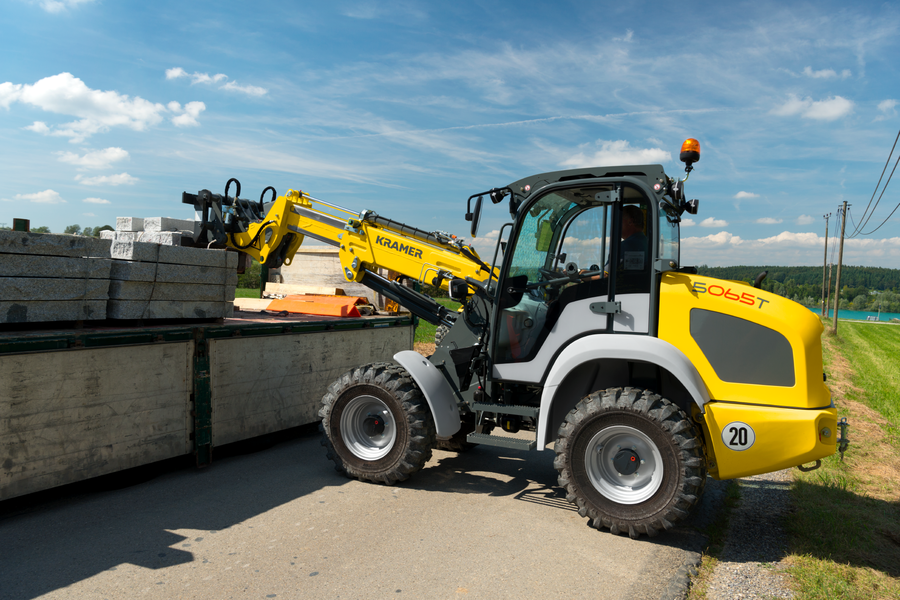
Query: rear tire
x=377 y=425
x=631 y=461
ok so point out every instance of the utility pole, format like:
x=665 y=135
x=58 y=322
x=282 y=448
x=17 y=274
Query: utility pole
x=828 y=297
x=837 y=285
x=825 y=266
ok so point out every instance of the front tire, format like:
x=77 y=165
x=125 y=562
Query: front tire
x=376 y=424
x=631 y=461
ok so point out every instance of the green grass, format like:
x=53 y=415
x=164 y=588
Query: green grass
x=246 y=293
x=425 y=330
x=874 y=352
x=845 y=532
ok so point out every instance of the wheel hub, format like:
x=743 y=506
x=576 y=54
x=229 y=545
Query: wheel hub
x=367 y=427
x=624 y=464
x=627 y=462
x=373 y=425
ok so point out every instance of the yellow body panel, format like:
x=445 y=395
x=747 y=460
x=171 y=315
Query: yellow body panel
x=789 y=425
x=782 y=438
x=680 y=293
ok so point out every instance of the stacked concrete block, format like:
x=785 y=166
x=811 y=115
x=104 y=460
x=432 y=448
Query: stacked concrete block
x=153 y=281
x=154 y=230
x=46 y=277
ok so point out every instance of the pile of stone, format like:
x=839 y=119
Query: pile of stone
x=154 y=281
x=154 y=230
x=141 y=272
x=45 y=277
x=153 y=277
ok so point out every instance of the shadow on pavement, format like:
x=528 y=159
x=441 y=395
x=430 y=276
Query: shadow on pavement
x=55 y=538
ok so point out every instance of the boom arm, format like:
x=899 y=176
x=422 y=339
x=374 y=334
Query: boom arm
x=365 y=243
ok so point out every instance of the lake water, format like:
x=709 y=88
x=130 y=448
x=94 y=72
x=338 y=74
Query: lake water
x=858 y=315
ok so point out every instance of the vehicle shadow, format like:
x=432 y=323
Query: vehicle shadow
x=55 y=538
x=848 y=528
x=530 y=477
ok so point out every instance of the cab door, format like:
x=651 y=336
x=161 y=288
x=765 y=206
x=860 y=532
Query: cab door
x=564 y=276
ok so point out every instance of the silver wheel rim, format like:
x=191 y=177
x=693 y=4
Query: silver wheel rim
x=353 y=428
x=624 y=489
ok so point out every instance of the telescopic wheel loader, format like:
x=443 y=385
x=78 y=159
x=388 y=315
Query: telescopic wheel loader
x=588 y=333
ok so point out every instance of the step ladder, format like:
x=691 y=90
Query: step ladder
x=511 y=443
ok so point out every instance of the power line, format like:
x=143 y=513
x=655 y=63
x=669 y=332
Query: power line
x=867 y=215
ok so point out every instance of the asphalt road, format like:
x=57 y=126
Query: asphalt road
x=279 y=522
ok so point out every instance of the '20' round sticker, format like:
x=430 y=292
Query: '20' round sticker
x=738 y=436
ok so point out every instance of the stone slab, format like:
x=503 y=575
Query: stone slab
x=167 y=224
x=107 y=235
x=129 y=224
x=167 y=238
x=165 y=273
x=46 y=289
x=27 y=265
x=175 y=255
x=201 y=257
x=48 y=244
x=134 y=251
x=145 y=290
x=50 y=310
x=139 y=309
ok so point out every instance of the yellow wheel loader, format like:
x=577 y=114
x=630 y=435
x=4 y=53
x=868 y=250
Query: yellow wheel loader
x=583 y=331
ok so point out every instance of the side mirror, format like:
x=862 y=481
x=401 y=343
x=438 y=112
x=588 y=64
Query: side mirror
x=475 y=216
x=459 y=290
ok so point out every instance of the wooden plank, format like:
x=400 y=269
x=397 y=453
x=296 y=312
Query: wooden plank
x=294 y=288
x=283 y=384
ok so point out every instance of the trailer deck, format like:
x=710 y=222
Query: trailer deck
x=81 y=402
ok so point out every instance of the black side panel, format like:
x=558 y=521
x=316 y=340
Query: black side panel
x=743 y=352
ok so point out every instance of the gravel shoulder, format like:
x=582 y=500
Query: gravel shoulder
x=753 y=560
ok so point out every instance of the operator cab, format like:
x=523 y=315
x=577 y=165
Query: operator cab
x=580 y=261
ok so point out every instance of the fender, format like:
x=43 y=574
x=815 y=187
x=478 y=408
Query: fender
x=438 y=392
x=629 y=347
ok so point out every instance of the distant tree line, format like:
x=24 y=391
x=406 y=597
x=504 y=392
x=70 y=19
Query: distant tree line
x=862 y=288
x=71 y=229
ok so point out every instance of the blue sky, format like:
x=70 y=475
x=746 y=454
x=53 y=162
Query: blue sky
x=406 y=108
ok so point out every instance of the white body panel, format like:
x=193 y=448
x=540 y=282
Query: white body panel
x=575 y=319
x=624 y=347
x=437 y=391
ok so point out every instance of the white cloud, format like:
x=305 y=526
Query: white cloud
x=187 y=116
x=45 y=197
x=120 y=179
x=178 y=72
x=887 y=106
x=38 y=127
x=250 y=90
x=711 y=222
x=820 y=110
x=88 y=215
x=98 y=159
x=826 y=73
x=96 y=110
x=96 y=201
x=786 y=248
x=769 y=221
x=615 y=153
x=629 y=35
x=58 y=6
x=231 y=86
x=743 y=195
x=688 y=223
x=805 y=220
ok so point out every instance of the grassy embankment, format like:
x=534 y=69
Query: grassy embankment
x=845 y=532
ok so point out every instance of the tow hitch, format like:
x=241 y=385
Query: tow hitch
x=843 y=441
